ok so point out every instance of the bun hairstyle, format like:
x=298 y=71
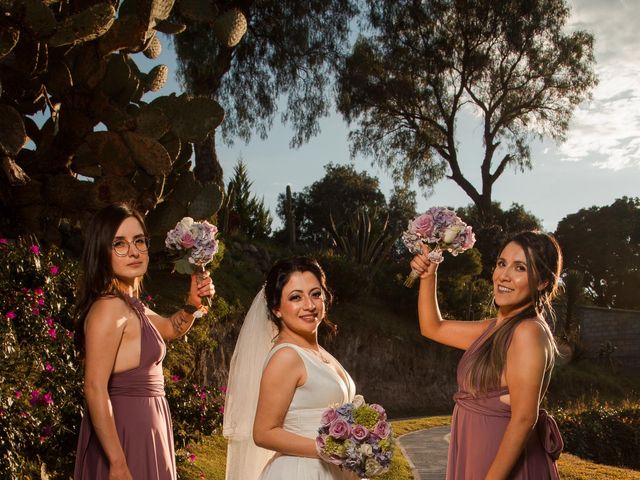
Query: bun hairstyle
x=280 y=274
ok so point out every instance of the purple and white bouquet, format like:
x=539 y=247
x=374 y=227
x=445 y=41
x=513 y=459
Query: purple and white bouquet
x=442 y=230
x=195 y=244
x=357 y=437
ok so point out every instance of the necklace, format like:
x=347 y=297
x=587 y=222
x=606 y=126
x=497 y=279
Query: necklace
x=317 y=353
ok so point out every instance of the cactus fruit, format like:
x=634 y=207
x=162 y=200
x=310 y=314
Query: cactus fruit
x=154 y=49
x=230 y=27
x=152 y=11
x=156 y=78
x=12 y=132
x=83 y=26
x=199 y=10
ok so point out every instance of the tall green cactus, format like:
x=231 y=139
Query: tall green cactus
x=290 y=218
x=76 y=64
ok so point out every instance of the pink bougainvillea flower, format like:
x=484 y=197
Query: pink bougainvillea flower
x=221 y=409
x=47 y=398
x=192 y=457
x=38 y=291
x=11 y=315
x=223 y=389
x=49 y=368
x=49 y=321
x=35 y=311
x=35 y=249
x=4 y=241
x=18 y=394
x=35 y=397
x=52 y=333
x=40 y=301
x=148 y=298
x=70 y=334
x=175 y=378
x=54 y=269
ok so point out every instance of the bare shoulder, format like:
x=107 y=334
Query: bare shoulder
x=107 y=312
x=531 y=331
x=285 y=357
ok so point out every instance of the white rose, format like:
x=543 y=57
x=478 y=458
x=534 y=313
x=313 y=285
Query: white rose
x=186 y=223
x=451 y=233
x=366 y=449
x=358 y=401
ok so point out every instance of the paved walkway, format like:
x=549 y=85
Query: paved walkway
x=426 y=451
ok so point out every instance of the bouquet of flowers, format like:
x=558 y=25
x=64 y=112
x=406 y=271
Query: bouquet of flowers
x=357 y=437
x=442 y=230
x=195 y=244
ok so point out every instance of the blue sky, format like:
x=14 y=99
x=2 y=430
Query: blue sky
x=599 y=162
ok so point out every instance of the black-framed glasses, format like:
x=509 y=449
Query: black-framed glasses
x=121 y=246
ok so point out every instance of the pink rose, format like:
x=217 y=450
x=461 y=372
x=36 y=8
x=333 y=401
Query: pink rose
x=382 y=429
x=423 y=225
x=187 y=240
x=329 y=416
x=382 y=415
x=469 y=238
x=359 y=432
x=320 y=443
x=339 y=429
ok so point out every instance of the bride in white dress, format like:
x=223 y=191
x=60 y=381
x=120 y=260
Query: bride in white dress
x=281 y=380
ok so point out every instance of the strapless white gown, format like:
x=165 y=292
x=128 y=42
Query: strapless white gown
x=323 y=388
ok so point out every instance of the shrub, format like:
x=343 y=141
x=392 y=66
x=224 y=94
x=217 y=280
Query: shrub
x=603 y=434
x=40 y=384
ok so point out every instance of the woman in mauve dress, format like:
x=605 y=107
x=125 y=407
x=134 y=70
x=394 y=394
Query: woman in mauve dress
x=498 y=430
x=126 y=427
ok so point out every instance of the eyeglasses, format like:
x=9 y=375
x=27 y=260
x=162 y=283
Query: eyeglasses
x=121 y=246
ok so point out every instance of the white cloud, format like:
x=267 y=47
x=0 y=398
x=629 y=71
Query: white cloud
x=606 y=130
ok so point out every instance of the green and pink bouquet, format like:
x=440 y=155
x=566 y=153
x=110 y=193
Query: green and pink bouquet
x=442 y=230
x=357 y=437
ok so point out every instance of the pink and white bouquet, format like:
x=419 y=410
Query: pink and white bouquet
x=442 y=230
x=357 y=437
x=195 y=244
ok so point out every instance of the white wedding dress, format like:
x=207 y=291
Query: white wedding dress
x=324 y=387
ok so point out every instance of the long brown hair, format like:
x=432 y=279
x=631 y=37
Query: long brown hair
x=544 y=264
x=278 y=277
x=97 y=278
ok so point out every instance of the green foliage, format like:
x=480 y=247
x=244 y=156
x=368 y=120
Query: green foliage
x=421 y=64
x=243 y=212
x=338 y=194
x=40 y=382
x=604 y=434
x=604 y=244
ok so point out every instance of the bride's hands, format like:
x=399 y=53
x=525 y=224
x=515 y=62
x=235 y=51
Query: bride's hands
x=422 y=265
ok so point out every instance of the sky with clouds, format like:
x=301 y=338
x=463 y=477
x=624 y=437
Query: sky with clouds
x=599 y=161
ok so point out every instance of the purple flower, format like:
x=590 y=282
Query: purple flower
x=329 y=416
x=35 y=397
x=340 y=429
x=359 y=432
x=49 y=368
x=35 y=249
x=382 y=429
x=422 y=225
x=320 y=443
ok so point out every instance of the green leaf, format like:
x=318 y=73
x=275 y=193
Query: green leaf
x=183 y=266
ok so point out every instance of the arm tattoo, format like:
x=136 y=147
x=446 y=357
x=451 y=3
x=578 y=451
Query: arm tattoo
x=178 y=320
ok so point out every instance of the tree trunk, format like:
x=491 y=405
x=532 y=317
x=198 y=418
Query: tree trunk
x=207 y=167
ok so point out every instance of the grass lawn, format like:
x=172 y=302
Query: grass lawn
x=211 y=455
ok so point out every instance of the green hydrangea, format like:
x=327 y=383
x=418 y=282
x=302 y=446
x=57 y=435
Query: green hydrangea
x=365 y=416
x=334 y=447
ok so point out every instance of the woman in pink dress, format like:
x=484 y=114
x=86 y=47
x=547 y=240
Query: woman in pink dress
x=126 y=428
x=498 y=430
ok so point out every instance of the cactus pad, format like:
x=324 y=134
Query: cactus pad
x=199 y=10
x=12 y=132
x=196 y=117
x=83 y=26
x=39 y=18
x=230 y=27
x=170 y=28
x=151 y=122
x=112 y=153
x=207 y=202
x=9 y=37
x=148 y=153
x=112 y=189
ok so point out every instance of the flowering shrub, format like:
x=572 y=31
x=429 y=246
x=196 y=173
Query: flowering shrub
x=603 y=434
x=196 y=410
x=40 y=384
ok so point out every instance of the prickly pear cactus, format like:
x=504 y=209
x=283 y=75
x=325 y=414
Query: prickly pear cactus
x=230 y=27
x=76 y=64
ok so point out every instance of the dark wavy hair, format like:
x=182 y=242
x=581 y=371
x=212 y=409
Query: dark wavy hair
x=544 y=264
x=278 y=277
x=97 y=278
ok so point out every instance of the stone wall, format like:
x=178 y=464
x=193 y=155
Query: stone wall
x=620 y=327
